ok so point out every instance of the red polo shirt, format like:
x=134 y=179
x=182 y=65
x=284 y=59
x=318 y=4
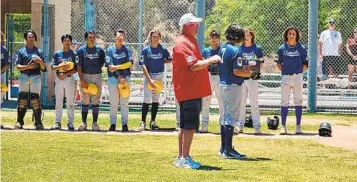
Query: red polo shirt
x=188 y=84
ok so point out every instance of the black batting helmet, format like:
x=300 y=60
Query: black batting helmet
x=248 y=121
x=325 y=129
x=273 y=123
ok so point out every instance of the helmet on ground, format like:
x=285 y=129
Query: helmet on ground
x=325 y=129
x=248 y=121
x=273 y=123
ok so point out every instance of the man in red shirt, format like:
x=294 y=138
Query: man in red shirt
x=191 y=84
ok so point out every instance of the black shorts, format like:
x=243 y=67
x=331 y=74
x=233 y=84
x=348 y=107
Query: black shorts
x=190 y=114
x=335 y=63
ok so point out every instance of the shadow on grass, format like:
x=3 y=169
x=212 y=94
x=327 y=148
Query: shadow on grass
x=261 y=134
x=163 y=130
x=303 y=134
x=210 y=168
x=258 y=159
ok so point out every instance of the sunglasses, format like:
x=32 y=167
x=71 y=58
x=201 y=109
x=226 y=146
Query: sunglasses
x=355 y=32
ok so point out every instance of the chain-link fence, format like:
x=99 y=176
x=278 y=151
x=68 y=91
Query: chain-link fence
x=337 y=80
x=336 y=77
x=268 y=19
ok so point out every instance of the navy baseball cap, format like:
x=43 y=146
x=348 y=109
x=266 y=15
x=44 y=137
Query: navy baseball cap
x=331 y=21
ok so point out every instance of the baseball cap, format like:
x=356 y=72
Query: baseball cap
x=331 y=21
x=189 y=18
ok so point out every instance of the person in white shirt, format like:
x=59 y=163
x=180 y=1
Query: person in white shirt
x=330 y=48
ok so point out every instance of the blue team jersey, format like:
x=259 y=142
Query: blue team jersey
x=60 y=57
x=251 y=53
x=209 y=52
x=154 y=58
x=24 y=56
x=230 y=54
x=291 y=58
x=116 y=57
x=91 y=59
x=4 y=56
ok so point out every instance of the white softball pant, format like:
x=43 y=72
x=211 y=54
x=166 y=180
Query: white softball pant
x=206 y=101
x=64 y=88
x=294 y=83
x=249 y=87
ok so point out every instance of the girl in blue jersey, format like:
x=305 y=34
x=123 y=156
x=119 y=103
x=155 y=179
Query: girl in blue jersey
x=30 y=62
x=64 y=81
x=253 y=54
x=89 y=67
x=292 y=62
x=116 y=56
x=153 y=59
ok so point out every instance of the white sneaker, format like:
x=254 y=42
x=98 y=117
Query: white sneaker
x=283 y=130
x=95 y=126
x=257 y=131
x=298 y=129
x=189 y=163
x=204 y=128
x=238 y=129
x=177 y=162
x=142 y=126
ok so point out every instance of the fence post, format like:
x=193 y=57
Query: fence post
x=90 y=14
x=312 y=54
x=45 y=47
x=140 y=26
x=200 y=12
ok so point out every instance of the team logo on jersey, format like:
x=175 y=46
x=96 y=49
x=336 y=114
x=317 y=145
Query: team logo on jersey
x=119 y=56
x=2 y=56
x=107 y=59
x=148 y=54
x=77 y=59
x=249 y=55
x=189 y=59
x=92 y=56
x=239 y=61
x=292 y=53
x=142 y=59
x=156 y=56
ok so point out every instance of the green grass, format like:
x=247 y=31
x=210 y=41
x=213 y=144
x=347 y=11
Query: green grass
x=167 y=120
x=52 y=156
